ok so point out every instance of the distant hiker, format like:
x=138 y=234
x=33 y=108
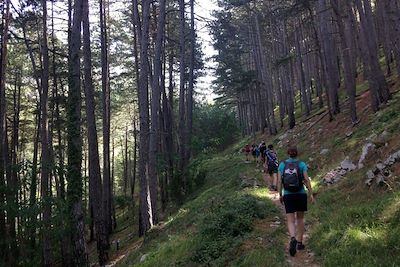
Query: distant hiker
x=254 y=152
x=262 y=149
x=247 y=151
x=292 y=176
x=257 y=149
x=272 y=166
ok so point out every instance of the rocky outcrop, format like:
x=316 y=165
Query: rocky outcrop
x=367 y=148
x=247 y=182
x=382 y=170
x=337 y=174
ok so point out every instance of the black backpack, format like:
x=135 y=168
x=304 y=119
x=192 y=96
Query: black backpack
x=272 y=159
x=292 y=178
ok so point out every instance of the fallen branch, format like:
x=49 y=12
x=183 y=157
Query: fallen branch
x=313 y=116
x=315 y=122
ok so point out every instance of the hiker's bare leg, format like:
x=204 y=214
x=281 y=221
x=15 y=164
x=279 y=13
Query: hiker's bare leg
x=300 y=225
x=274 y=179
x=291 y=224
x=269 y=181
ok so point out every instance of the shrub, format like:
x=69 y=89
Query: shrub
x=221 y=230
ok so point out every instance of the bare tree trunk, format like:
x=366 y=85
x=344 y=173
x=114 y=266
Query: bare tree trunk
x=189 y=96
x=379 y=88
x=155 y=112
x=287 y=82
x=95 y=184
x=114 y=219
x=342 y=12
x=182 y=93
x=329 y=52
x=302 y=79
x=106 y=118
x=265 y=77
x=3 y=131
x=392 y=18
x=45 y=158
x=145 y=217
x=74 y=152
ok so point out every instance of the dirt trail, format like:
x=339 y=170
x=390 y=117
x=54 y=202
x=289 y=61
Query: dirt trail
x=303 y=257
x=118 y=257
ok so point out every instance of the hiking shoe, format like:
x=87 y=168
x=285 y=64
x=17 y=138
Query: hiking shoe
x=300 y=246
x=292 y=246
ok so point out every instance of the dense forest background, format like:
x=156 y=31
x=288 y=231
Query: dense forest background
x=99 y=107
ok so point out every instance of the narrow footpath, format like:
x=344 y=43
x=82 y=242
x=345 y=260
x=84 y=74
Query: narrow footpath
x=303 y=258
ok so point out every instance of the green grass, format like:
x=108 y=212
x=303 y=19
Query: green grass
x=351 y=225
x=211 y=228
x=363 y=230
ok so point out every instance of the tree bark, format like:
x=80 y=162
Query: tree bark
x=343 y=20
x=329 y=52
x=155 y=111
x=182 y=94
x=107 y=194
x=145 y=217
x=45 y=157
x=95 y=184
x=74 y=151
x=378 y=85
x=189 y=96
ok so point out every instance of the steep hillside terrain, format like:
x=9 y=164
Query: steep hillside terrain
x=233 y=220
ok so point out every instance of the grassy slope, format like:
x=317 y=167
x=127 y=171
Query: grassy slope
x=221 y=225
x=352 y=225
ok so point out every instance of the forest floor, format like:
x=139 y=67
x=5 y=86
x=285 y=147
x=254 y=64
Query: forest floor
x=350 y=224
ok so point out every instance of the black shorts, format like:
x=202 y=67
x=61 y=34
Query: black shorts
x=295 y=202
x=272 y=170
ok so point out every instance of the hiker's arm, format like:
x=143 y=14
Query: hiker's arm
x=307 y=182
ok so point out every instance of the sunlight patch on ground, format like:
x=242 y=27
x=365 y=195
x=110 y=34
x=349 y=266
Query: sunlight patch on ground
x=178 y=215
x=259 y=193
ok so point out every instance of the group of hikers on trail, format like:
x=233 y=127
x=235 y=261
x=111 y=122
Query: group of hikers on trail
x=289 y=178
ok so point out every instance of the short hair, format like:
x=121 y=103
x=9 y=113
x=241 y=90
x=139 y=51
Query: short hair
x=292 y=151
x=270 y=146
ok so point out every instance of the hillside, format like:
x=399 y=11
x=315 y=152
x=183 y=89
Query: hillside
x=232 y=219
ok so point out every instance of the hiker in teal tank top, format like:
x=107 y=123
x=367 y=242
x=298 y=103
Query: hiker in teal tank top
x=292 y=177
x=303 y=168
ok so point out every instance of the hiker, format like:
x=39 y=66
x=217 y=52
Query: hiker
x=272 y=166
x=254 y=152
x=262 y=149
x=257 y=149
x=292 y=176
x=247 y=151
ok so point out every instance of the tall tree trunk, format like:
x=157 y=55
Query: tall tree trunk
x=74 y=151
x=155 y=111
x=3 y=153
x=189 y=96
x=106 y=118
x=95 y=184
x=135 y=133
x=329 y=54
x=379 y=87
x=392 y=18
x=3 y=66
x=45 y=157
x=342 y=12
x=145 y=217
x=182 y=93
x=114 y=220
x=302 y=78
x=265 y=77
